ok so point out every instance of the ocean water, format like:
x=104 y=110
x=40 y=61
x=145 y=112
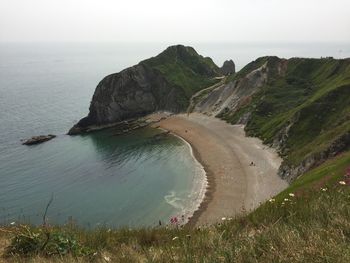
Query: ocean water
x=98 y=179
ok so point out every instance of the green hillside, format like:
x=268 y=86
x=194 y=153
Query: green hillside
x=311 y=99
x=185 y=68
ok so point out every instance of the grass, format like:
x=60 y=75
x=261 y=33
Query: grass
x=313 y=95
x=312 y=226
x=185 y=69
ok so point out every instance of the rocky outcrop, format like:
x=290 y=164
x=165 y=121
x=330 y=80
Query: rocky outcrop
x=339 y=145
x=132 y=93
x=161 y=83
x=228 y=68
x=38 y=139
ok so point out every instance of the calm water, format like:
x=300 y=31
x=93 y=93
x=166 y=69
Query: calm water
x=98 y=178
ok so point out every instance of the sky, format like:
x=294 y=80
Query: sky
x=175 y=21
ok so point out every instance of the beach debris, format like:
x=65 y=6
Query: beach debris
x=38 y=139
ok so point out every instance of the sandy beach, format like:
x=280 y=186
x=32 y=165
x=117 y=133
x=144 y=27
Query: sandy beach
x=234 y=185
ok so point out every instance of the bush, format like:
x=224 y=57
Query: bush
x=45 y=241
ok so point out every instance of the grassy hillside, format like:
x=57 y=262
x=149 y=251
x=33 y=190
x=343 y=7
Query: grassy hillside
x=308 y=222
x=185 y=68
x=306 y=108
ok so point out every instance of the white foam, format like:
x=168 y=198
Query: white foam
x=199 y=186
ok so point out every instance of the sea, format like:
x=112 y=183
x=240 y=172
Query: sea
x=99 y=179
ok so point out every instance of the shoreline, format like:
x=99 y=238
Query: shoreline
x=208 y=178
x=233 y=186
x=209 y=183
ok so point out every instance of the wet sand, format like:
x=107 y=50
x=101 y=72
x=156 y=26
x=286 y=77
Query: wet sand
x=234 y=186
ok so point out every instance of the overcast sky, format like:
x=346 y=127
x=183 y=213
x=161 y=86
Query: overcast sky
x=175 y=20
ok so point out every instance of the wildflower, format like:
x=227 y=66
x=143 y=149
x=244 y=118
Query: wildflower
x=12 y=223
x=229 y=219
x=286 y=199
x=323 y=189
x=342 y=182
x=108 y=259
x=223 y=219
x=272 y=200
x=291 y=194
x=174 y=238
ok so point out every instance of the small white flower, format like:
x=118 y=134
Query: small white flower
x=342 y=182
x=323 y=189
x=107 y=258
x=174 y=238
x=291 y=194
x=223 y=219
x=229 y=219
x=286 y=199
x=272 y=200
x=12 y=223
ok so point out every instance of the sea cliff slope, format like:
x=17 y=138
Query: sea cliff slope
x=165 y=82
x=301 y=106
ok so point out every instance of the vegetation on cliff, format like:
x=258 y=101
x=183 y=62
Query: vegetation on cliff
x=303 y=108
x=184 y=68
x=165 y=82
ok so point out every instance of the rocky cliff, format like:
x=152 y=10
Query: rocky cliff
x=165 y=82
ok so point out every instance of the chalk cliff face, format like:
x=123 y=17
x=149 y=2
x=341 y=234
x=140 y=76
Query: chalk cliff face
x=231 y=95
x=165 y=82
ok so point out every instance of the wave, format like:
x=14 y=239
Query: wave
x=197 y=193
